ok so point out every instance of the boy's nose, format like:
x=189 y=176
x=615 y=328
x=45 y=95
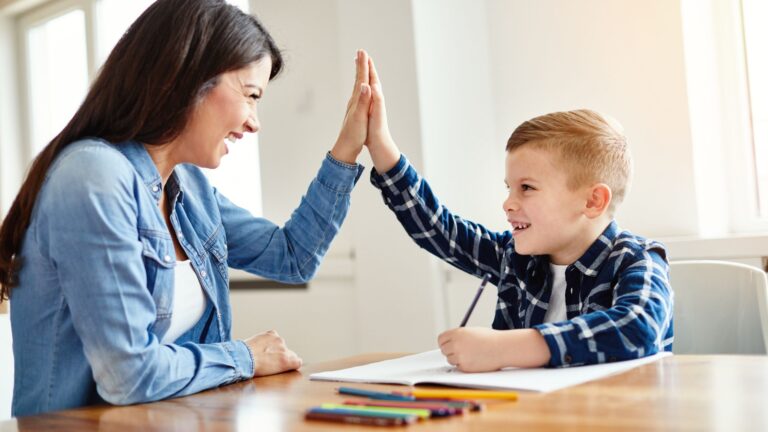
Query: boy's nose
x=509 y=205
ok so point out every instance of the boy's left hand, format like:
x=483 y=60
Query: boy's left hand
x=480 y=349
x=472 y=349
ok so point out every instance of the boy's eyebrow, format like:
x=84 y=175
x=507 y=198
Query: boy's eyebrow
x=527 y=179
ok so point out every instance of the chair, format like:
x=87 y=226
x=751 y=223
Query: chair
x=6 y=367
x=720 y=308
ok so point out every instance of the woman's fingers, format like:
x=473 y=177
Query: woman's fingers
x=361 y=77
x=363 y=62
x=363 y=103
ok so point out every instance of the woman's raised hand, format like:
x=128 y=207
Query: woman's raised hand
x=354 y=130
x=270 y=355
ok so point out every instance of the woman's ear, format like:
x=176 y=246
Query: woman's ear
x=598 y=200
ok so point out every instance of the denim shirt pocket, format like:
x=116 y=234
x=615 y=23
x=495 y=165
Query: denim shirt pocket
x=159 y=262
x=216 y=247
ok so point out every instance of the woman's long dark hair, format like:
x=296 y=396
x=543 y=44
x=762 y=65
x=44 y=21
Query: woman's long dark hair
x=161 y=67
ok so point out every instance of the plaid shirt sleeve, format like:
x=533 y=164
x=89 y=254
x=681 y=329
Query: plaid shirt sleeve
x=463 y=244
x=636 y=325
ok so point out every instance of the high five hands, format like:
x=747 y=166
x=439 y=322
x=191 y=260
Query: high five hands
x=365 y=122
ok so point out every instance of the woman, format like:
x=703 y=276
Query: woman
x=116 y=249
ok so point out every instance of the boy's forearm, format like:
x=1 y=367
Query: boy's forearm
x=384 y=155
x=524 y=348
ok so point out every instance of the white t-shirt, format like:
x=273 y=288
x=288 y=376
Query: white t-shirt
x=557 y=311
x=188 y=302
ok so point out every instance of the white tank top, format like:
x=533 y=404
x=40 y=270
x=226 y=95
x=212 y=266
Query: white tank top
x=556 y=311
x=188 y=302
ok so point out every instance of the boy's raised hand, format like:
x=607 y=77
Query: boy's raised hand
x=354 y=129
x=480 y=349
x=384 y=152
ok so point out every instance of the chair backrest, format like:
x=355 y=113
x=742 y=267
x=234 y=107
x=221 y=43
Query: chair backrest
x=6 y=367
x=720 y=308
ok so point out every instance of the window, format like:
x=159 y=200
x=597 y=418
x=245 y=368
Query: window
x=63 y=45
x=57 y=66
x=728 y=104
x=754 y=15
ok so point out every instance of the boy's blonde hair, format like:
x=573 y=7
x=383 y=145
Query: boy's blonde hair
x=591 y=147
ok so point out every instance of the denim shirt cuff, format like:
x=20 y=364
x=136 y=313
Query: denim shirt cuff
x=339 y=176
x=243 y=359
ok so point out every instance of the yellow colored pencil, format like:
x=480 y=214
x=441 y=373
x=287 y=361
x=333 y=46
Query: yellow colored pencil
x=463 y=394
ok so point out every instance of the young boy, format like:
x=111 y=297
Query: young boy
x=573 y=289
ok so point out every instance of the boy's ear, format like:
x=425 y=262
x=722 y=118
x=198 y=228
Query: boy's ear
x=598 y=200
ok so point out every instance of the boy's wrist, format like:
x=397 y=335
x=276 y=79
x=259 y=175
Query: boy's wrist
x=524 y=348
x=384 y=154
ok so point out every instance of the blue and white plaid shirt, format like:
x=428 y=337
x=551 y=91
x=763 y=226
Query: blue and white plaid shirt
x=618 y=298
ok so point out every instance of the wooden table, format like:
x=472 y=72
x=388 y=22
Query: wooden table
x=691 y=393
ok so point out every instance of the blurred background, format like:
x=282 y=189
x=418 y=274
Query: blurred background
x=688 y=79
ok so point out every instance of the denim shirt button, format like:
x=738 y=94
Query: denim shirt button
x=167 y=258
x=155 y=188
x=203 y=274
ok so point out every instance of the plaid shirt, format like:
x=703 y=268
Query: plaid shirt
x=618 y=298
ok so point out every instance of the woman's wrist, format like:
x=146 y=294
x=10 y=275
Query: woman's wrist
x=344 y=154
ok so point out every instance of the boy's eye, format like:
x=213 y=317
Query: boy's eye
x=526 y=187
x=254 y=97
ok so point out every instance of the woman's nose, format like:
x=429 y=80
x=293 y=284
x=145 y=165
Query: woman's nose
x=252 y=124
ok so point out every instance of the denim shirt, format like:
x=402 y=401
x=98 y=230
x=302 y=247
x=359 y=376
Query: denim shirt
x=96 y=287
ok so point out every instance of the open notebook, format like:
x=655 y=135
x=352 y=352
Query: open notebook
x=431 y=368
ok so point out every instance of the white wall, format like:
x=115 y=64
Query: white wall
x=392 y=283
x=490 y=65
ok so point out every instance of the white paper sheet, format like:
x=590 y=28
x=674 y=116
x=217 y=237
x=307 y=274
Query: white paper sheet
x=431 y=367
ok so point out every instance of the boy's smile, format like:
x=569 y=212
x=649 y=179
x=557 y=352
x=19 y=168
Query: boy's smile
x=546 y=216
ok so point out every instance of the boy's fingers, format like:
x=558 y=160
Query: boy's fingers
x=378 y=100
x=373 y=75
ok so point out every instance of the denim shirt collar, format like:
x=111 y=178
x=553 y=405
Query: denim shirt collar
x=144 y=165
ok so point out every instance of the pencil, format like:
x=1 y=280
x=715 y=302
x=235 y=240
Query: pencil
x=474 y=300
x=462 y=394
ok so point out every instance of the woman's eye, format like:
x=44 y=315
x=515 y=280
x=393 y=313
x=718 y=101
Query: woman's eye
x=255 y=97
x=526 y=187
